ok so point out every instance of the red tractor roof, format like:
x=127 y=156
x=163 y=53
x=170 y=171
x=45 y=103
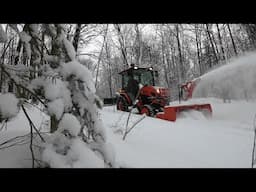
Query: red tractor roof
x=135 y=68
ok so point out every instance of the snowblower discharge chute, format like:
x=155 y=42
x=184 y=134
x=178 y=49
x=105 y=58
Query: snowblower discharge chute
x=139 y=90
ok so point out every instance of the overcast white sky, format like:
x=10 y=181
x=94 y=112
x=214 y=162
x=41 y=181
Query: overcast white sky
x=96 y=44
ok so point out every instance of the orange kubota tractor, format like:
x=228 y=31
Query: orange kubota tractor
x=139 y=90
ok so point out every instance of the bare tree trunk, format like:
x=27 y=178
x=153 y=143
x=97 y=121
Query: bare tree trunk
x=76 y=36
x=215 y=45
x=139 y=42
x=198 y=49
x=221 y=44
x=109 y=70
x=251 y=33
x=211 y=41
x=121 y=42
x=166 y=66
x=99 y=58
x=180 y=67
x=233 y=43
x=12 y=52
x=2 y=60
x=69 y=32
x=42 y=52
x=1 y=80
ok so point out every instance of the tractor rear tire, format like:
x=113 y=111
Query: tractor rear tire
x=148 y=110
x=122 y=104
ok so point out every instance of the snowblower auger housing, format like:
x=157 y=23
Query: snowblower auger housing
x=170 y=113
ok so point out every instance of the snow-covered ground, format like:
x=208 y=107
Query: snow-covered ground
x=193 y=141
x=224 y=141
x=19 y=155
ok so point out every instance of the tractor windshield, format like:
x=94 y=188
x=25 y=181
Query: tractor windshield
x=143 y=76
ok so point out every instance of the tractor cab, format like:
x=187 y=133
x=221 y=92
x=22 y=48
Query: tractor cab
x=144 y=76
x=147 y=93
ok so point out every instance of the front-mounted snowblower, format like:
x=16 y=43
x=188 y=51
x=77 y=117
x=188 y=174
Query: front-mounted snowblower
x=139 y=91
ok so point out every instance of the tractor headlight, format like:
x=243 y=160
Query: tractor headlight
x=135 y=67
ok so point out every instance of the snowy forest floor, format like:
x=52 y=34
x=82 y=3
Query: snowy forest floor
x=224 y=141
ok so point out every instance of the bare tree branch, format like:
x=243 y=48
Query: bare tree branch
x=31 y=123
x=19 y=85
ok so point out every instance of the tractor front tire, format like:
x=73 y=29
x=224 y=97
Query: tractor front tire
x=121 y=104
x=148 y=110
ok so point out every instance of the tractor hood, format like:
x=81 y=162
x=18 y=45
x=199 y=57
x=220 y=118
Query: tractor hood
x=164 y=92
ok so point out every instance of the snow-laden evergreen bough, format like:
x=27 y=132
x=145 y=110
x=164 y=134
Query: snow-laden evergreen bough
x=79 y=140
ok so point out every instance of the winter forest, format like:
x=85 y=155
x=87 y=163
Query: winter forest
x=55 y=77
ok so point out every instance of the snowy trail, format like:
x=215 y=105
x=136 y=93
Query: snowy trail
x=225 y=141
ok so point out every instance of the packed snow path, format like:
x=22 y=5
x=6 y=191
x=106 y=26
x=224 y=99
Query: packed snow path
x=224 y=141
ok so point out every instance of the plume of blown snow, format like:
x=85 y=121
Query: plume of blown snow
x=235 y=80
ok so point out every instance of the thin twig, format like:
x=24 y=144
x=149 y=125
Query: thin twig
x=5 y=49
x=126 y=132
x=17 y=143
x=31 y=145
x=14 y=144
x=127 y=121
x=30 y=121
x=253 y=150
x=130 y=111
x=22 y=142
x=3 y=124
x=35 y=106
x=10 y=140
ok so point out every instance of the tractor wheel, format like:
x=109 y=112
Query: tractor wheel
x=121 y=104
x=148 y=110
